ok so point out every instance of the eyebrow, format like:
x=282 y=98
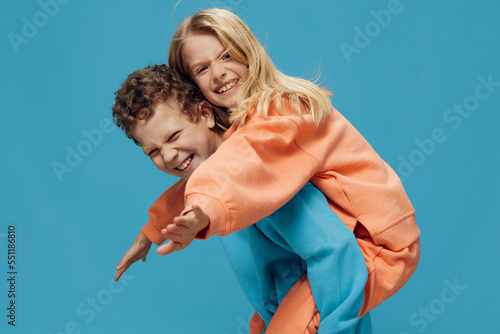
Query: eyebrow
x=223 y=50
x=146 y=150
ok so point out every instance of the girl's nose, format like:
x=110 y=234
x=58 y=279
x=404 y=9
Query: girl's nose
x=218 y=71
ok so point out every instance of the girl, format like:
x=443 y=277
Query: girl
x=272 y=256
x=285 y=133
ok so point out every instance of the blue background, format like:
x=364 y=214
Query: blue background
x=57 y=83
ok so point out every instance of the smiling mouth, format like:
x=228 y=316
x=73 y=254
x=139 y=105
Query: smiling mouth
x=227 y=86
x=185 y=163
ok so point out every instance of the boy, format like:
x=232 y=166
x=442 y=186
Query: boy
x=282 y=260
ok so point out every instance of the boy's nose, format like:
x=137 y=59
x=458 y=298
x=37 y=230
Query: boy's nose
x=168 y=154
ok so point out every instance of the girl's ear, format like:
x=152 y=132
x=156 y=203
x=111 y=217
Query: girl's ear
x=206 y=114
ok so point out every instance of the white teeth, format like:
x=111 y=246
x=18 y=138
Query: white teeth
x=185 y=164
x=226 y=87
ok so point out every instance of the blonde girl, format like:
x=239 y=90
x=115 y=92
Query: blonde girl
x=233 y=43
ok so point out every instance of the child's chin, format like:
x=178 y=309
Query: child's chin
x=186 y=175
x=228 y=103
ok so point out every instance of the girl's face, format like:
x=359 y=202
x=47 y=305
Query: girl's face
x=218 y=76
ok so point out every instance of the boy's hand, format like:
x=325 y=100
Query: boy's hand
x=139 y=250
x=183 y=231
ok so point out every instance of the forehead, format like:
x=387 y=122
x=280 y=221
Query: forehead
x=200 y=44
x=168 y=113
x=165 y=115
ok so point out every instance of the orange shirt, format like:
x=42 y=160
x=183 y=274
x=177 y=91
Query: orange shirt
x=264 y=163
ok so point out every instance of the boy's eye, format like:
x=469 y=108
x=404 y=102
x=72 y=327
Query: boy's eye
x=174 y=136
x=153 y=153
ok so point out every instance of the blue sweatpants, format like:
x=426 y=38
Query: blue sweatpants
x=303 y=237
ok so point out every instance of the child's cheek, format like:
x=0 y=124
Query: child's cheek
x=160 y=164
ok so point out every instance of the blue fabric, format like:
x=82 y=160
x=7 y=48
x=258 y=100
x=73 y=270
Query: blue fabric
x=304 y=236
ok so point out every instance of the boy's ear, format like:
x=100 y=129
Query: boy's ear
x=206 y=113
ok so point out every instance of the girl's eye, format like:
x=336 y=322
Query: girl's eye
x=152 y=153
x=226 y=56
x=200 y=70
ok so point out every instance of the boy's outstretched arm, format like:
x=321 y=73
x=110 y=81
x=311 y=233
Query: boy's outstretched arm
x=183 y=230
x=139 y=250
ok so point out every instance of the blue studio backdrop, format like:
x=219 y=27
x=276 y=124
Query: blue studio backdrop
x=420 y=79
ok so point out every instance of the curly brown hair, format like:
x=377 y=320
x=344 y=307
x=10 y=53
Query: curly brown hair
x=144 y=89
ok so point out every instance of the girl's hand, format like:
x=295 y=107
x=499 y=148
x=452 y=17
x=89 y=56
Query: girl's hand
x=183 y=230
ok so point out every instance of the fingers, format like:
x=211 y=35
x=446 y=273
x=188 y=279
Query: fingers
x=183 y=230
x=175 y=232
x=123 y=262
x=182 y=221
x=131 y=256
x=194 y=215
x=138 y=251
x=117 y=276
x=120 y=272
x=169 y=248
x=167 y=234
x=177 y=228
x=180 y=228
x=196 y=209
x=198 y=212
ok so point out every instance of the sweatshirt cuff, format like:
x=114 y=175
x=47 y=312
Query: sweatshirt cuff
x=400 y=234
x=215 y=211
x=152 y=233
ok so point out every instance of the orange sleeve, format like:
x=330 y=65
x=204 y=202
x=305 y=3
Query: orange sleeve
x=254 y=172
x=169 y=205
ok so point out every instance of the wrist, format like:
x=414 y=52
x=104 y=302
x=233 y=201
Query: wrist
x=142 y=238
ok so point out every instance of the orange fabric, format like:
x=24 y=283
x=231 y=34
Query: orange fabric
x=388 y=271
x=297 y=313
x=264 y=163
x=159 y=217
x=257 y=325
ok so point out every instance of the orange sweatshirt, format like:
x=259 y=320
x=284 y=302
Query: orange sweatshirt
x=263 y=164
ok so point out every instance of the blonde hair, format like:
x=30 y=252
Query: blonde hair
x=265 y=85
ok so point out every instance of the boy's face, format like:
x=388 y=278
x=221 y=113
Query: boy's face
x=174 y=144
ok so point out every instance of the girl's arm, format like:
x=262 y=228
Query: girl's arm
x=264 y=163
x=258 y=169
x=254 y=172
